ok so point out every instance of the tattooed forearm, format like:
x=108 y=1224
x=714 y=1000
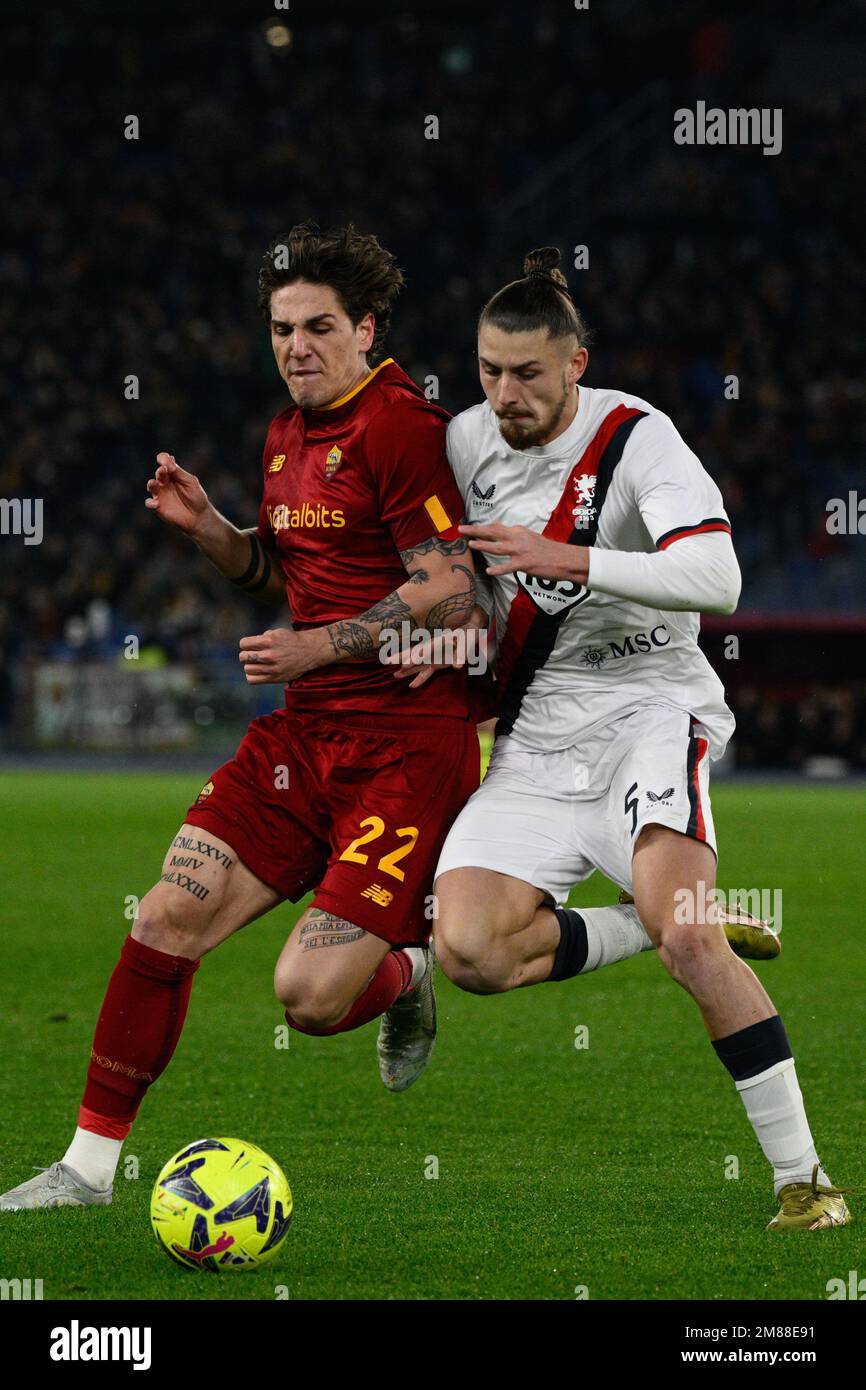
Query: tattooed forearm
x=191 y=885
x=452 y=611
x=202 y=847
x=392 y=608
x=351 y=640
x=461 y=569
x=358 y=638
x=325 y=930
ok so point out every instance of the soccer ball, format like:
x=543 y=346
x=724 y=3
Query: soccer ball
x=221 y=1204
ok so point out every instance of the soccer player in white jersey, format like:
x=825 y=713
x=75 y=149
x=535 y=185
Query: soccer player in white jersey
x=604 y=539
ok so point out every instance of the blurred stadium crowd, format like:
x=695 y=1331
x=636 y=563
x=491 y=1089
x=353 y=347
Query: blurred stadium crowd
x=138 y=257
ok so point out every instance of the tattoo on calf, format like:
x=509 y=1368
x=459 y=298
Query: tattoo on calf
x=326 y=930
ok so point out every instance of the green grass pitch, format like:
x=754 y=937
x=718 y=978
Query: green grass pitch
x=558 y=1168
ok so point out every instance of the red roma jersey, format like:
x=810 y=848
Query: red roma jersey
x=346 y=488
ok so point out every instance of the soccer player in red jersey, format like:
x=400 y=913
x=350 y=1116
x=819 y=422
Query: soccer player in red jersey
x=349 y=789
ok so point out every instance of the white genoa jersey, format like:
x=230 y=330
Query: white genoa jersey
x=570 y=659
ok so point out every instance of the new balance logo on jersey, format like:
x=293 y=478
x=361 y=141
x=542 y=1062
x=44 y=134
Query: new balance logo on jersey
x=553 y=596
x=483 y=498
x=596 y=655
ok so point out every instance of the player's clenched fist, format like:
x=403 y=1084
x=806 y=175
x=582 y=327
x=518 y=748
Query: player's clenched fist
x=176 y=496
x=528 y=551
x=281 y=654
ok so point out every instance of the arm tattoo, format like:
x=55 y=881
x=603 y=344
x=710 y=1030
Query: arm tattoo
x=453 y=609
x=463 y=570
x=392 y=608
x=351 y=639
x=458 y=547
x=326 y=930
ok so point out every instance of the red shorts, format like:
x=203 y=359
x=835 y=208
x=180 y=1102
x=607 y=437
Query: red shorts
x=354 y=805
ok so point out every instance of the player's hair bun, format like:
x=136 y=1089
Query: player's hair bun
x=543 y=264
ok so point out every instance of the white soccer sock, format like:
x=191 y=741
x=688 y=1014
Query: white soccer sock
x=612 y=934
x=418 y=958
x=774 y=1105
x=94 y=1157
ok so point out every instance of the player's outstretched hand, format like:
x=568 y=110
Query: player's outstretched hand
x=446 y=650
x=177 y=496
x=528 y=551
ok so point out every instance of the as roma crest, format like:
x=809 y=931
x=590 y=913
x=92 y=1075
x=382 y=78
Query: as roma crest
x=333 y=461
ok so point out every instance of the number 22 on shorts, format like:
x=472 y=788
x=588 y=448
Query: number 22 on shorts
x=388 y=863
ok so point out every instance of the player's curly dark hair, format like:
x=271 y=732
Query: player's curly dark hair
x=541 y=299
x=363 y=275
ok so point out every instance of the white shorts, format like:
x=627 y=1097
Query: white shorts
x=551 y=819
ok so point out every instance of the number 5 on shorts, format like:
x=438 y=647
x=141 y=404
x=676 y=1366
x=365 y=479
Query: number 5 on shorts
x=388 y=863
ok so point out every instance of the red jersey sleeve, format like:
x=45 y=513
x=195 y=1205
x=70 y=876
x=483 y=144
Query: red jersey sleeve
x=271 y=461
x=263 y=530
x=405 y=450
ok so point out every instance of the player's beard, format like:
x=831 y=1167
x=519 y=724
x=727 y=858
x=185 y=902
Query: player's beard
x=520 y=434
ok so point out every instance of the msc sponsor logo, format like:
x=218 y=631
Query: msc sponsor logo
x=596 y=655
x=308 y=516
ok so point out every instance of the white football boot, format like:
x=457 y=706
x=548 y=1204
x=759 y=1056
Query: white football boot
x=57 y=1186
x=407 y=1032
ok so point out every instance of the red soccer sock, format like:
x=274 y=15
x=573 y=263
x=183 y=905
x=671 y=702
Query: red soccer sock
x=139 y=1025
x=388 y=983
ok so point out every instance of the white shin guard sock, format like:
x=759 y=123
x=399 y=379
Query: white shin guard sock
x=417 y=956
x=774 y=1105
x=94 y=1157
x=612 y=933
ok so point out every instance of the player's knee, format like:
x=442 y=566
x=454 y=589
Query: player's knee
x=167 y=923
x=687 y=950
x=470 y=963
x=313 y=1009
